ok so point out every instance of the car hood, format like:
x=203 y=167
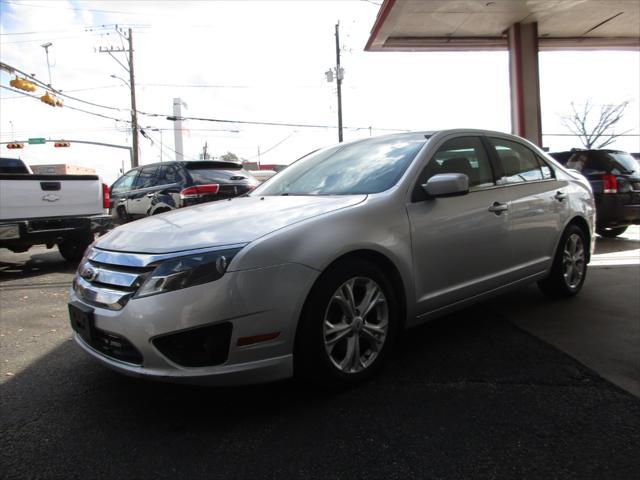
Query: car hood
x=236 y=221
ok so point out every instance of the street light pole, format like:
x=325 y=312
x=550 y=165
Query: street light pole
x=46 y=50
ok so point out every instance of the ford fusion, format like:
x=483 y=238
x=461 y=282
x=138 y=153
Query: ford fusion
x=316 y=271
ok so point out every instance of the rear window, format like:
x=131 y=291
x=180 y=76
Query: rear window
x=214 y=175
x=209 y=165
x=12 y=165
x=592 y=162
x=624 y=162
x=588 y=163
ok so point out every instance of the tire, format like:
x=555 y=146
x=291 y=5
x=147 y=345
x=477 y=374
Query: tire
x=611 y=232
x=72 y=249
x=123 y=216
x=329 y=335
x=569 y=269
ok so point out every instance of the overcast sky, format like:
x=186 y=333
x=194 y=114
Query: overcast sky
x=265 y=61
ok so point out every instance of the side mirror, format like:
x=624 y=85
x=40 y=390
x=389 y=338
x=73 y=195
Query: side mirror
x=447 y=185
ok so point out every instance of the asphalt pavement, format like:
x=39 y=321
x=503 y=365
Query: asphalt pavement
x=469 y=395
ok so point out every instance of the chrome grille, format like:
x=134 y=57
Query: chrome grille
x=108 y=286
x=110 y=279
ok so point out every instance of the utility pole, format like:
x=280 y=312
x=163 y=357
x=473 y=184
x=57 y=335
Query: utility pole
x=135 y=161
x=339 y=81
x=134 y=113
x=338 y=73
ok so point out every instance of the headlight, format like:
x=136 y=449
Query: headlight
x=187 y=271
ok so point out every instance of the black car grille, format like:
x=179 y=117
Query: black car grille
x=198 y=347
x=115 y=346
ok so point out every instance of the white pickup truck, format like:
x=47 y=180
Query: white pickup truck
x=62 y=210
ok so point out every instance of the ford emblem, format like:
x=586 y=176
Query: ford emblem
x=88 y=274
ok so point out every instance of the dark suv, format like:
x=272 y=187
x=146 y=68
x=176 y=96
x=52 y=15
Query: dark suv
x=160 y=187
x=615 y=179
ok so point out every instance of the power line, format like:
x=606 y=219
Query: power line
x=77 y=9
x=171 y=117
x=85 y=28
x=274 y=146
x=62 y=93
x=66 y=106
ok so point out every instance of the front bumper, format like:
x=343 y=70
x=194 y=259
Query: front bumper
x=255 y=302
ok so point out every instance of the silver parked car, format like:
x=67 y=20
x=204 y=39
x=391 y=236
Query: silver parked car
x=316 y=271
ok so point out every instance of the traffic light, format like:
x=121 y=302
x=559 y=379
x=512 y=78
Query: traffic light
x=23 y=84
x=51 y=100
x=15 y=145
x=62 y=144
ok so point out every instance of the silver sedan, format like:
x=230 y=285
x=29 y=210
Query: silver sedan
x=317 y=270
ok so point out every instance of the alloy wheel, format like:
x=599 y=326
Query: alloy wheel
x=356 y=324
x=573 y=260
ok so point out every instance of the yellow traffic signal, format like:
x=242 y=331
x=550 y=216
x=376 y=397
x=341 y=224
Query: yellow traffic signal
x=48 y=99
x=23 y=84
x=15 y=145
x=51 y=100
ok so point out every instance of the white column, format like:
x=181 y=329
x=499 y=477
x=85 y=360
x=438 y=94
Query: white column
x=177 y=128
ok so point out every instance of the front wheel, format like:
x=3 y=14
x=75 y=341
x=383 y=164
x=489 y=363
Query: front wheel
x=73 y=248
x=348 y=325
x=569 y=268
x=612 y=232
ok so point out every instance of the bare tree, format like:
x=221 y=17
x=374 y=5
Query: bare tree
x=595 y=129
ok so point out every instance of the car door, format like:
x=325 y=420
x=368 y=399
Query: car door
x=171 y=181
x=538 y=205
x=139 y=199
x=459 y=243
x=120 y=191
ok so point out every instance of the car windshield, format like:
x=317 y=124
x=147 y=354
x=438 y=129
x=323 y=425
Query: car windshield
x=368 y=166
x=626 y=161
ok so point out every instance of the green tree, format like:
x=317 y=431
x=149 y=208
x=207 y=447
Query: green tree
x=229 y=157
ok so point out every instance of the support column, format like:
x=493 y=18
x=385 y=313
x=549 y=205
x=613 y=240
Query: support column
x=525 y=81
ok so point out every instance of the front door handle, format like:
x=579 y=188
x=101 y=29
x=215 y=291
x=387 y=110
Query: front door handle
x=498 y=208
x=560 y=195
x=149 y=195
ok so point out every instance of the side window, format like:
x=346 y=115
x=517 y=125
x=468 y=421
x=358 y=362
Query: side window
x=519 y=164
x=171 y=174
x=124 y=184
x=148 y=177
x=461 y=155
x=547 y=172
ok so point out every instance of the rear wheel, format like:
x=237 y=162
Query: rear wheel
x=123 y=216
x=348 y=325
x=73 y=248
x=611 y=232
x=569 y=268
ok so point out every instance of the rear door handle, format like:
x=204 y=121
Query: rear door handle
x=498 y=208
x=560 y=195
x=149 y=195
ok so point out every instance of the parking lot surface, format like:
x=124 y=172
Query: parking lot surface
x=493 y=391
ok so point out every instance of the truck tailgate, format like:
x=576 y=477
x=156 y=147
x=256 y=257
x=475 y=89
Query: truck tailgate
x=39 y=196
